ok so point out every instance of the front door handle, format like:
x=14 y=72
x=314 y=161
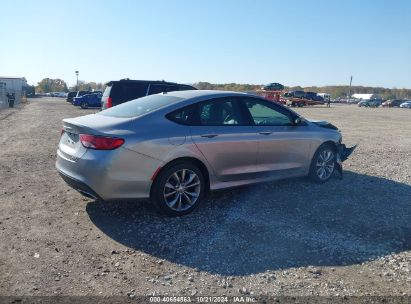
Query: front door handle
x=209 y=135
x=266 y=133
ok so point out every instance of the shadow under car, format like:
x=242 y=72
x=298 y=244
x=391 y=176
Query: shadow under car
x=271 y=226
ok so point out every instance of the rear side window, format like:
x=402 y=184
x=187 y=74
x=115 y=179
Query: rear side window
x=107 y=91
x=156 y=88
x=171 y=88
x=185 y=88
x=162 y=88
x=182 y=116
x=141 y=106
x=125 y=91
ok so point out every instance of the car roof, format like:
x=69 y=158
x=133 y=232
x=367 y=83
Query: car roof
x=205 y=93
x=110 y=83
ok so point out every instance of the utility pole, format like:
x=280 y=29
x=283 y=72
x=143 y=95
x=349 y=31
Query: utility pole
x=349 y=90
x=77 y=78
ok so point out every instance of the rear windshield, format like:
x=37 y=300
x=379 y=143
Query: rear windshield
x=141 y=106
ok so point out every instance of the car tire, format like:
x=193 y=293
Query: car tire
x=323 y=163
x=84 y=105
x=178 y=189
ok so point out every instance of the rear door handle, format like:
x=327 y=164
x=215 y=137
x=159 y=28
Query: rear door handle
x=209 y=135
x=266 y=133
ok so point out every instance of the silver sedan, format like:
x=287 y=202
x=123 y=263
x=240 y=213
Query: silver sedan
x=174 y=147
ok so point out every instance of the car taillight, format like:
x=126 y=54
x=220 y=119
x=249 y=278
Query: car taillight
x=100 y=142
x=62 y=132
x=109 y=103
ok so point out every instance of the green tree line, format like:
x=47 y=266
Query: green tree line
x=48 y=85
x=88 y=86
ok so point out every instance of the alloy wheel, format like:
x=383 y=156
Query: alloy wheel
x=182 y=190
x=325 y=164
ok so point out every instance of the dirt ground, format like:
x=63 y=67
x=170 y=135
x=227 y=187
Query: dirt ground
x=346 y=237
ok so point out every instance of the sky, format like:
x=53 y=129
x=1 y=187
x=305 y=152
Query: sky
x=306 y=43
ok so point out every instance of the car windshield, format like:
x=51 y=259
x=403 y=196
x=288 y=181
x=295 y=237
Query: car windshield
x=140 y=106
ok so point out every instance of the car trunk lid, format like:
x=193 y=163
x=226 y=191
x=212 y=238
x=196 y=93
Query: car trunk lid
x=94 y=124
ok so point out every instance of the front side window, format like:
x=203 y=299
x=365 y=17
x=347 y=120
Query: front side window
x=264 y=114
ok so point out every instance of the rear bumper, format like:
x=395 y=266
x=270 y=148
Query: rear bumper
x=80 y=186
x=108 y=175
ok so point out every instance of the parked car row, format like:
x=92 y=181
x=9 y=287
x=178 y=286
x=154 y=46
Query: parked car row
x=406 y=104
x=395 y=103
x=374 y=103
x=53 y=94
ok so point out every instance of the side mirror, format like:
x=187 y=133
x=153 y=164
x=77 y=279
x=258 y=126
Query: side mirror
x=298 y=121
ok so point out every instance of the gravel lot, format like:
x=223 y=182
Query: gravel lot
x=346 y=237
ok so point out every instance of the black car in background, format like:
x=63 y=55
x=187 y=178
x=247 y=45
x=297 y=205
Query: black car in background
x=70 y=96
x=273 y=87
x=295 y=94
x=82 y=93
x=123 y=90
x=313 y=96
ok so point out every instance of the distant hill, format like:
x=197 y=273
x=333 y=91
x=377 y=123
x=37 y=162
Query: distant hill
x=335 y=91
